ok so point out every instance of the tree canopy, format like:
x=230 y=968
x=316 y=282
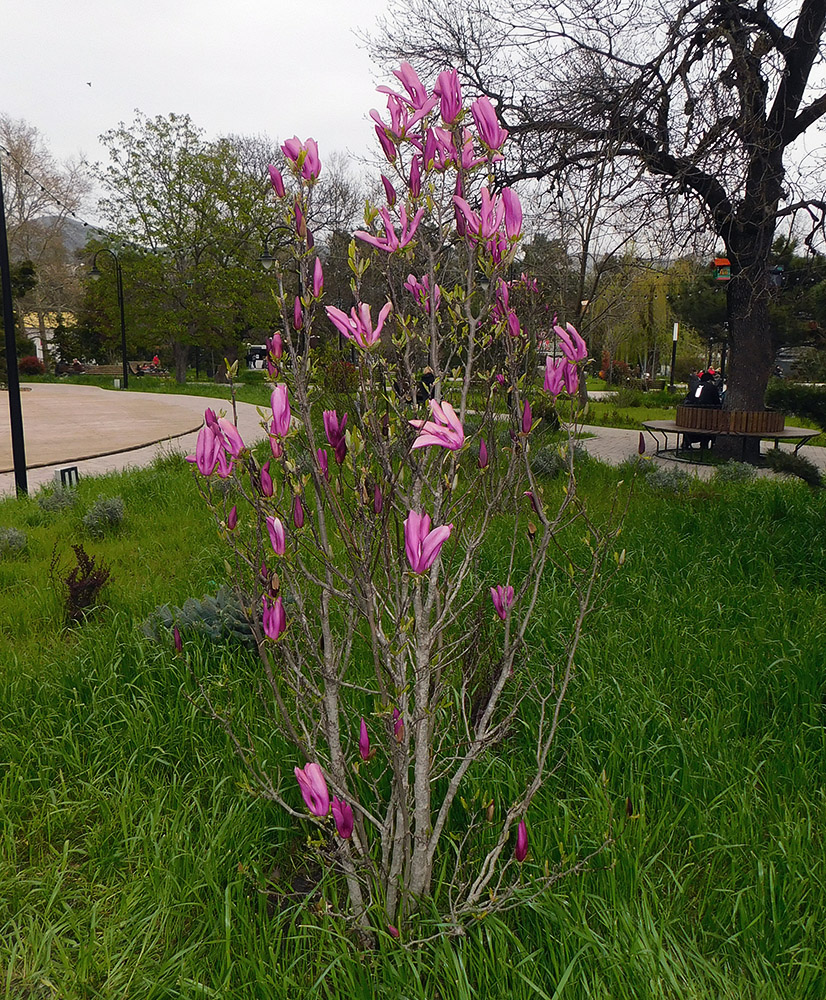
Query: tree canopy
x=705 y=103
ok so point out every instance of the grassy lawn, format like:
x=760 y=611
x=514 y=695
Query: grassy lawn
x=134 y=862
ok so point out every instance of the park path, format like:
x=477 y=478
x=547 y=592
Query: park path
x=102 y=430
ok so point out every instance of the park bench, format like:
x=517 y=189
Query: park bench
x=713 y=422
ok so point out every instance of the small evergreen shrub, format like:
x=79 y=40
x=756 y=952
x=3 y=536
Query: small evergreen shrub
x=215 y=618
x=674 y=481
x=550 y=461
x=56 y=500
x=735 y=472
x=106 y=513
x=12 y=541
x=786 y=462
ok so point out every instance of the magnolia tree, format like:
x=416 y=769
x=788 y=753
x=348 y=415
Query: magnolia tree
x=391 y=555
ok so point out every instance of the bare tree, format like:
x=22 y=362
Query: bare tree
x=708 y=100
x=41 y=197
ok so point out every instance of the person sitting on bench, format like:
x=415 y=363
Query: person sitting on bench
x=705 y=394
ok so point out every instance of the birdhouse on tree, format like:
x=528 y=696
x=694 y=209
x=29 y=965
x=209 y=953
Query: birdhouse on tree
x=722 y=269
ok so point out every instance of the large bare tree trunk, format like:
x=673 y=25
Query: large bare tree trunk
x=751 y=352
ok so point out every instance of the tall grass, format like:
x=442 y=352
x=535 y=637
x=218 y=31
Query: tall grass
x=135 y=863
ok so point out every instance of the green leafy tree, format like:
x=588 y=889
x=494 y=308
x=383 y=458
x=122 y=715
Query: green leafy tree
x=201 y=215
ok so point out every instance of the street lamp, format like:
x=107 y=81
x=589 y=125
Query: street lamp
x=94 y=274
x=674 y=336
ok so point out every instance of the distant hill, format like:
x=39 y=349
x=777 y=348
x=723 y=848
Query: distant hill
x=75 y=234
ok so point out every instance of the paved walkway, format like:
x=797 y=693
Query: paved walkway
x=103 y=430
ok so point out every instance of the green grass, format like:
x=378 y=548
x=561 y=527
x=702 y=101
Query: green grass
x=135 y=864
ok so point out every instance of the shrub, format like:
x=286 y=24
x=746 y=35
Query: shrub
x=214 y=618
x=735 y=472
x=12 y=541
x=674 y=481
x=31 y=366
x=57 y=499
x=800 y=400
x=552 y=460
x=786 y=462
x=105 y=513
x=340 y=376
x=81 y=586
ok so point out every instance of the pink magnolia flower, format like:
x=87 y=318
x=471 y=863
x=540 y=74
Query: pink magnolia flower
x=276 y=180
x=386 y=143
x=298 y=512
x=521 y=851
x=378 y=501
x=343 y=816
x=514 y=326
x=364 y=741
x=444 y=430
x=502 y=598
x=398 y=726
x=420 y=290
x=448 y=89
x=497 y=247
x=304 y=155
x=483 y=454
x=231 y=439
x=313 y=789
x=439 y=151
x=232 y=518
x=553 y=375
x=573 y=346
x=358 y=326
x=416 y=90
x=570 y=376
x=323 y=462
x=534 y=502
x=275 y=442
x=415 y=183
x=390 y=241
x=281 y=413
x=207 y=449
x=275 y=527
x=491 y=214
x=298 y=315
x=469 y=161
x=389 y=191
x=318 y=278
x=273 y=618
x=490 y=131
x=266 y=479
x=527 y=418
x=513 y=213
x=300 y=220
x=176 y=639
x=422 y=545
x=334 y=429
x=275 y=346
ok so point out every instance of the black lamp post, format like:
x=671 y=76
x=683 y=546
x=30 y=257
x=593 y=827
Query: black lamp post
x=18 y=447
x=95 y=274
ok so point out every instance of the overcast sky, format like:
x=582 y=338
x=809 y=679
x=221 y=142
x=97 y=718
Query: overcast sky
x=281 y=68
